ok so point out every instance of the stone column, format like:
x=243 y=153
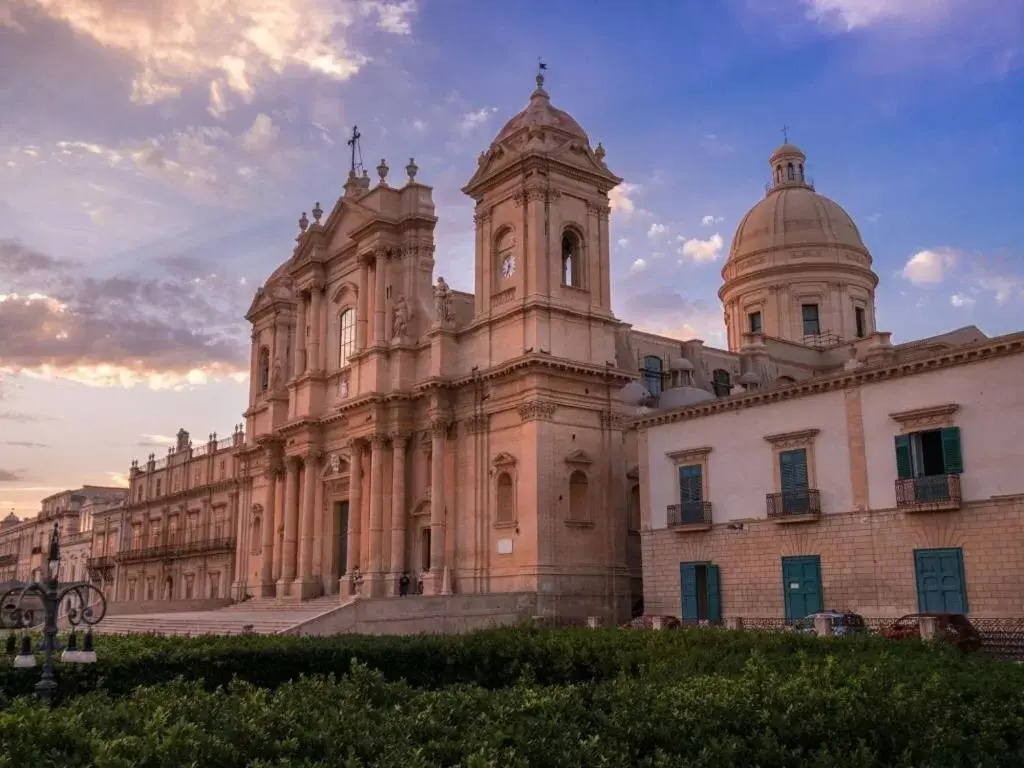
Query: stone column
x=316 y=326
x=399 y=518
x=319 y=529
x=439 y=428
x=375 y=577
x=280 y=347
x=362 y=304
x=379 y=282
x=254 y=373
x=305 y=586
x=325 y=313
x=291 y=526
x=300 y=338
x=355 y=514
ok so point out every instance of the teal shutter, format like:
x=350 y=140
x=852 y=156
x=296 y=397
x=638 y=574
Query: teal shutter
x=688 y=589
x=714 y=594
x=952 y=456
x=691 y=487
x=904 y=458
x=793 y=470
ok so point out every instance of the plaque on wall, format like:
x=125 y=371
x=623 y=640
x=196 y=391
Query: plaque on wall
x=504 y=546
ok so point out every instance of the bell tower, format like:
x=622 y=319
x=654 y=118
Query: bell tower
x=542 y=247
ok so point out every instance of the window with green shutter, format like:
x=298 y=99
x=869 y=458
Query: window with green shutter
x=924 y=462
x=700 y=592
x=793 y=470
x=691 y=484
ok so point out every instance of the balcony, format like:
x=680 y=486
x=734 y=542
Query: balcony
x=932 y=493
x=176 y=546
x=100 y=563
x=690 y=516
x=10 y=558
x=800 y=506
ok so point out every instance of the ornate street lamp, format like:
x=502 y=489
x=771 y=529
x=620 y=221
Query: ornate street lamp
x=83 y=604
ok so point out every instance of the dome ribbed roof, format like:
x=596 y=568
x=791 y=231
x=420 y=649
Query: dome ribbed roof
x=541 y=113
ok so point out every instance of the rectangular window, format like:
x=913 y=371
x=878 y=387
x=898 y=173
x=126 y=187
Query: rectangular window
x=722 y=383
x=812 y=327
x=157 y=487
x=794 y=482
x=755 y=322
x=941 y=586
x=924 y=462
x=700 y=590
x=861 y=320
x=691 y=494
x=651 y=371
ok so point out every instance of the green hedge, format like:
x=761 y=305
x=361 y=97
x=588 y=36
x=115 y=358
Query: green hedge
x=490 y=659
x=815 y=714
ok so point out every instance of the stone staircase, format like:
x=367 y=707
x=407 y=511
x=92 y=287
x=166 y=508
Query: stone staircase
x=261 y=616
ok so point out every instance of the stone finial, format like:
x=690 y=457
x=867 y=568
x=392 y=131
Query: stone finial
x=303 y=222
x=411 y=169
x=317 y=212
x=382 y=171
x=599 y=153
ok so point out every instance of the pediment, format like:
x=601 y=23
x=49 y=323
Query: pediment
x=347 y=287
x=578 y=457
x=420 y=508
x=504 y=459
x=258 y=301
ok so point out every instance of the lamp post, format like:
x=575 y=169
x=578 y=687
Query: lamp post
x=18 y=613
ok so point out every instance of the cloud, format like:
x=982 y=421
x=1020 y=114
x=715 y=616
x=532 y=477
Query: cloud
x=929 y=267
x=855 y=14
x=8 y=476
x=638 y=266
x=119 y=479
x=228 y=47
x=24 y=444
x=471 y=121
x=156 y=441
x=622 y=242
x=165 y=330
x=710 y=221
x=21 y=418
x=703 y=250
x=668 y=313
x=959 y=300
x=7 y=19
x=714 y=144
x=656 y=230
x=261 y=135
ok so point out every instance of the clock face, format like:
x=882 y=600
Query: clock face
x=508 y=266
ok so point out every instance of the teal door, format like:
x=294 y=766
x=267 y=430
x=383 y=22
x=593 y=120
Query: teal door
x=701 y=592
x=801 y=586
x=940 y=580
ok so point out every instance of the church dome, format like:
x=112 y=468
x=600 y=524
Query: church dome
x=540 y=113
x=11 y=519
x=793 y=214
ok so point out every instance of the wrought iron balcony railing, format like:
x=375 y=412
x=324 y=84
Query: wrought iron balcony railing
x=101 y=561
x=689 y=513
x=805 y=502
x=930 y=490
x=176 y=546
x=8 y=558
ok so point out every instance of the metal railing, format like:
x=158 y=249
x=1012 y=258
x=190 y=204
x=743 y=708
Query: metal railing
x=100 y=561
x=805 y=502
x=9 y=558
x=689 y=513
x=930 y=489
x=822 y=340
x=177 y=545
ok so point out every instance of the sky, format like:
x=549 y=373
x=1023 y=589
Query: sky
x=155 y=158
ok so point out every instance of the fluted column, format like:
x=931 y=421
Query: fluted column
x=300 y=338
x=325 y=312
x=316 y=326
x=399 y=442
x=362 y=304
x=291 y=526
x=355 y=515
x=304 y=585
x=439 y=429
x=379 y=281
x=375 y=577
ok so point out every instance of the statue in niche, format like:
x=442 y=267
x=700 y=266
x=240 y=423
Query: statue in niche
x=277 y=375
x=443 y=301
x=400 y=318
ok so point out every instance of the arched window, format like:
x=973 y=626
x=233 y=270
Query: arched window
x=721 y=382
x=652 y=371
x=791 y=171
x=801 y=166
x=264 y=369
x=572 y=262
x=346 y=336
x=506 y=501
x=578 y=489
x=778 y=173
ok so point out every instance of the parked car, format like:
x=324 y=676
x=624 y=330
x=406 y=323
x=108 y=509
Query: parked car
x=843 y=623
x=952 y=628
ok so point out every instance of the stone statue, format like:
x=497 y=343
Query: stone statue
x=400 y=317
x=443 y=301
x=277 y=376
x=335 y=464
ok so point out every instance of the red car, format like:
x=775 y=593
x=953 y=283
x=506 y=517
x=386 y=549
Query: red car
x=952 y=628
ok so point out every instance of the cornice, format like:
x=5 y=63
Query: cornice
x=788 y=271
x=922 y=414
x=799 y=435
x=521 y=166
x=989 y=350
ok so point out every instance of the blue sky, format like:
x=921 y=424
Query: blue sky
x=153 y=165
